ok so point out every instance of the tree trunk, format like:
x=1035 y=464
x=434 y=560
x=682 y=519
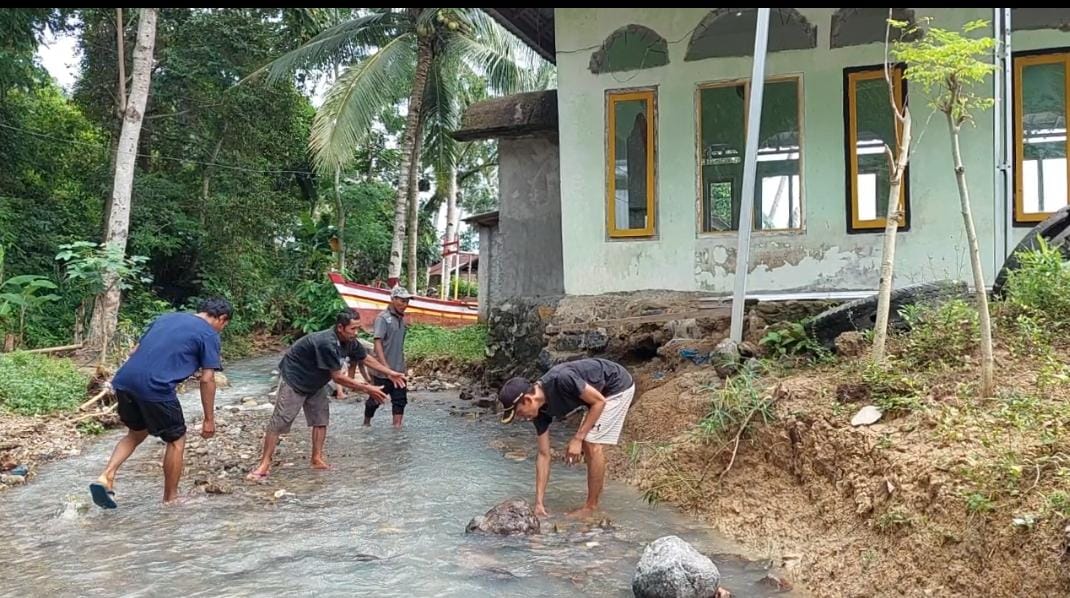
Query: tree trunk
x=408 y=142
x=452 y=218
x=120 y=102
x=340 y=215
x=987 y=360
x=414 y=210
x=106 y=314
x=891 y=228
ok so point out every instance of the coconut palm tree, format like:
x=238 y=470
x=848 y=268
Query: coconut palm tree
x=414 y=53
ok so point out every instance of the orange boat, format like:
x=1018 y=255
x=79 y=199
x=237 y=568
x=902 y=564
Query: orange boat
x=368 y=301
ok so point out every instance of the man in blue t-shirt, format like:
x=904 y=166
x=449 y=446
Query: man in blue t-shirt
x=173 y=348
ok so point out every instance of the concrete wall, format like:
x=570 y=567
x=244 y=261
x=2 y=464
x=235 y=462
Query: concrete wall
x=490 y=280
x=820 y=257
x=529 y=219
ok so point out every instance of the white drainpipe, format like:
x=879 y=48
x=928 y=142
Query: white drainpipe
x=750 y=156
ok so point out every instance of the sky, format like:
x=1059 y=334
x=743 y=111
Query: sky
x=59 y=55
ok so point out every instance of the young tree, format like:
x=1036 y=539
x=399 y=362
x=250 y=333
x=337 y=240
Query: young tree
x=897 y=164
x=949 y=66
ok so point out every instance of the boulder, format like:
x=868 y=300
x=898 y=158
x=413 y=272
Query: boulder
x=510 y=517
x=672 y=568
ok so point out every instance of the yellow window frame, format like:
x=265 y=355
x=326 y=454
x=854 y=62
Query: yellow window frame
x=1020 y=62
x=853 y=78
x=612 y=99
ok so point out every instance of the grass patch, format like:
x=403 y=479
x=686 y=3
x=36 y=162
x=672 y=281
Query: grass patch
x=463 y=344
x=947 y=334
x=32 y=384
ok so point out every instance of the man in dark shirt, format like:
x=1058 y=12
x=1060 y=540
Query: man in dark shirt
x=304 y=372
x=171 y=349
x=603 y=387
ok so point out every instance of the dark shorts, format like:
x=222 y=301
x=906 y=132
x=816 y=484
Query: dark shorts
x=160 y=418
x=399 y=397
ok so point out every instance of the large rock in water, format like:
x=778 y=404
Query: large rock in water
x=672 y=568
x=514 y=516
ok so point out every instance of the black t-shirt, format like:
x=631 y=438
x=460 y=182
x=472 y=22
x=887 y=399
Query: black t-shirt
x=564 y=383
x=307 y=366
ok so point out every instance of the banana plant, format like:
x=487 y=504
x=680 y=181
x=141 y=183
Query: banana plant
x=20 y=295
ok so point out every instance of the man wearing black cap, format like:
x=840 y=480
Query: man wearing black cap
x=603 y=387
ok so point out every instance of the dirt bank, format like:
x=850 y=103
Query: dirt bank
x=947 y=496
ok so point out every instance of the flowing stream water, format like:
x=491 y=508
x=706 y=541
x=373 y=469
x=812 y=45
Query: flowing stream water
x=388 y=520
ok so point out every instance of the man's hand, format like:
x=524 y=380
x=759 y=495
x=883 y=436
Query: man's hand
x=574 y=451
x=540 y=510
x=397 y=378
x=207 y=428
x=376 y=393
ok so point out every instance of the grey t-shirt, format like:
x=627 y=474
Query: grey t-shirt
x=307 y=366
x=390 y=328
x=564 y=383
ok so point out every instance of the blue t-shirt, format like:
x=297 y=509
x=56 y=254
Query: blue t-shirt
x=172 y=349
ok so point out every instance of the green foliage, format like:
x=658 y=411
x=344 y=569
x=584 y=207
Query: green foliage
x=465 y=288
x=1059 y=502
x=948 y=65
x=890 y=390
x=740 y=403
x=91 y=266
x=466 y=344
x=940 y=334
x=370 y=206
x=20 y=295
x=21 y=29
x=979 y=503
x=225 y=201
x=790 y=338
x=90 y=427
x=1036 y=291
x=317 y=305
x=33 y=384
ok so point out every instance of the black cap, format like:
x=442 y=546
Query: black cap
x=508 y=395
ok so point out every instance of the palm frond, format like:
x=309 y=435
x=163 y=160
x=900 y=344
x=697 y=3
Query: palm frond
x=353 y=37
x=354 y=102
x=508 y=65
x=441 y=114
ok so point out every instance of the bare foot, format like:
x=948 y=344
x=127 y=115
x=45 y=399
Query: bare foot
x=258 y=475
x=320 y=464
x=176 y=501
x=582 y=512
x=103 y=480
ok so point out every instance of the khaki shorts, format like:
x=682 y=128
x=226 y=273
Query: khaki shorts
x=289 y=401
x=607 y=429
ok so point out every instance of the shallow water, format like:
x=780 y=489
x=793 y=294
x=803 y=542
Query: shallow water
x=387 y=521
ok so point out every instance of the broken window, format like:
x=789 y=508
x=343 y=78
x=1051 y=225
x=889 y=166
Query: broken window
x=630 y=163
x=1040 y=108
x=872 y=133
x=630 y=48
x=722 y=137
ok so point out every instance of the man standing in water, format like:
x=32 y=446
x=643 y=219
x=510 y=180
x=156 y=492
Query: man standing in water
x=304 y=371
x=390 y=349
x=603 y=387
x=172 y=348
